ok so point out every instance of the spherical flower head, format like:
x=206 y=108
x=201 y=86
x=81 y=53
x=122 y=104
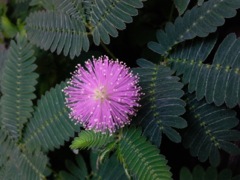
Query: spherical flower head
x=103 y=96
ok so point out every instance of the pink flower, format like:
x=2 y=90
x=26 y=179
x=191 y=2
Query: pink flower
x=103 y=95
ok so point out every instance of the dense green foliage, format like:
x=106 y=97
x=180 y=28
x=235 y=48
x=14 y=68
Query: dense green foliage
x=188 y=62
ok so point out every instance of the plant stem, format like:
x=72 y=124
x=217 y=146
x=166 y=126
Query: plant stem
x=171 y=12
x=108 y=50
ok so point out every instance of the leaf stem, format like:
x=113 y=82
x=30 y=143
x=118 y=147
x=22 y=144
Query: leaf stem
x=108 y=50
x=171 y=12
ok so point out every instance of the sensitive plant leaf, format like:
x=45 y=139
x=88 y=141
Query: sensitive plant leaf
x=205 y=174
x=77 y=170
x=196 y=50
x=3 y=57
x=66 y=26
x=91 y=139
x=63 y=175
x=200 y=2
x=224 y=85
x=8 y=29
x=28 y=165
x=21 y=1
x=6 y=148
x=94 y=160
x=210 y=130
x=102 y=18
x=161 y=104
x=33 y=165
x=50 y=125
x=58 y=32
x=18 y=81
x=181 y=5
x=109 y=15
x=219 y=81
x=140 y=157
x=110 y=169
x=185 y=174
x=46 y=4
x=199 y=21
x=117 y=172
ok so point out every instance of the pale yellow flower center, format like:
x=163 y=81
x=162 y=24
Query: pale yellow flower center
x=100 y=93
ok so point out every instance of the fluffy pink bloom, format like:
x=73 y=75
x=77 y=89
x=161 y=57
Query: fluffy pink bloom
x=103 y=95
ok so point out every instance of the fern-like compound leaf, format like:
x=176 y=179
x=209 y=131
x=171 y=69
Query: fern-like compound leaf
x=77 y=170
x=223 y=79
x=219 y=81
x=58 y=32
x=50 y=125
x=117 y=171
x=20 y=1
x=200 y=2
x=161 y=103
x=6 y=148
x=20 y=164
x=27 y=165
x=109 y=15
x=181 y=5
x=199 y=21
x=18 y=81
x=141 y=157
x=46 y=4
x=91 y=139
x=205 y=174
x=196 y=50
x=210 y=130
x=65 y=26
x=3 y=57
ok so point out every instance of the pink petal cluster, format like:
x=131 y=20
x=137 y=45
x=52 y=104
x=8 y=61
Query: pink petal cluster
x=103 y=96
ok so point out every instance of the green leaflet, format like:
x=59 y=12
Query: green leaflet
x=50 y=125
x=26 y=165
x=141 y=157
x=47 y=4
x=209 y=174
x=108 y=169
x=65 y=26
x=77 y=170
x=200 y=21
x=16 y=163
x=59 y=33
x=20 y=1
x=196 y=50
x=110 y=15
x=161 y=104
x=117 y=171
x=6 y=148
x=219 y=81
x=210 y=130
x=200 y=2
x=181 y=5
x=91 y=139
x=18 y=81
x=3 y=57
